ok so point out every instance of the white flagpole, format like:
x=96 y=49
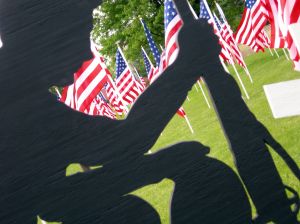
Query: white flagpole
x=193 y=11
x=276 y=53
x=240 y=80
x=137 y=74
x=196 y=88
x=118 y=94
x=161 y=47
x=188 y=123
x=147 y=56
x=58 y=93
x=270 y=51
x=223 y=64
x=287 y=57
x=203 y=93
x=231 y=61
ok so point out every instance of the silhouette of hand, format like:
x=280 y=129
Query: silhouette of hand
x=197 y=41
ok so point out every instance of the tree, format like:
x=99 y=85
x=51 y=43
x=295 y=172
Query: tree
x=117 y=21
x=232 y=9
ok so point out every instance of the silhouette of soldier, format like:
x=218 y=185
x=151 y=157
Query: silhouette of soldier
x=44 y=41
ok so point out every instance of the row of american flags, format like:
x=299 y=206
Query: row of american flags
x=96 y=92
x=281 y=14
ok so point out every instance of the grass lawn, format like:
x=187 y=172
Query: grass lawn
x=264 y=69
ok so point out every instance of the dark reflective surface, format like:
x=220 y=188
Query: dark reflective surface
x=44 y=43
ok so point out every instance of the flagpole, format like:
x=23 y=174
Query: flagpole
x=58 y=93
x=223 y=64
x=287 y=58
x=276 y=52
x=188 y=123
x=147 y=56
x=196 y=88
x=231 y=61
x=118 y=94
x=138 y=75
x=192 y=10
x=270 y=51
x=203 y=93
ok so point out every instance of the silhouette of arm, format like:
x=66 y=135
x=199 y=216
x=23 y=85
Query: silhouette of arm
x=154 y=109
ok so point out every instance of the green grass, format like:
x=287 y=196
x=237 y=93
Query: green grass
x=264 y=69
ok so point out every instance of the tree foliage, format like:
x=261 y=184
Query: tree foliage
x=118 y=22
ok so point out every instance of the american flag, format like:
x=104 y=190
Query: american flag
x=205 y=14
x=277 y=38
x=289 y=13
x=173 y=23
x=254 y=18
x=68 y=97
x=99 y=107
x=163 y=61
x=104 y=109
x=152 y=45
x=88 y=82
x=125 y=80
x=265 y=38
x=110 y=89
x=114 y=97
x=138 y=80
x=227 y=35
x=262 y=41
x=181 y=112
x=148 y=66
x=144 y=81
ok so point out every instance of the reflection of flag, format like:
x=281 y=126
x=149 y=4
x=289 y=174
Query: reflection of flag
x=253 y=20
x=114 y=97
x=277 y=38
x=152 y=45
x=138 y=80
x=289 y=13
x=99 y=107
x=181 y=112
x=125 y=81
x=88 y=82
x=173 y=24
x=67 y=96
